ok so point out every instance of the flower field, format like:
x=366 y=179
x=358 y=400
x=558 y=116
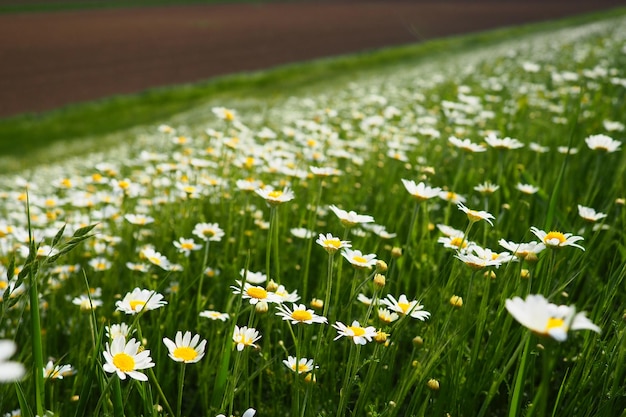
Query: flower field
x=447 y=238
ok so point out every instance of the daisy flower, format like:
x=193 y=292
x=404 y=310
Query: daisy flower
x=253 y=277
x=138 y=219
x=209 y=232
x=299 y=314
x=139 y=300
x=185 y=348
x=603 y=143
x=527 y=251
x=403 y=306
x=185 y=246
x=250 y=412
x=245 y=336
x=359 y=335
x=466 y=144
x=301 y=366
x=350 y=218
x=547 y=319
x=455 y=242
x=526 y=188
x=358 y=259
x=451 y=197
x=487 y=188
x=478 y=258
x=52 y=371
x=9 y=370
x=590 y=214
x=155 y=258
x=331 y=243
x=224 y=113
x=556 y=239
x=214 y=315
x=254 y=293
x=285 y=296
x=421 y=191
x=387 y=316
x=324 y=171
x=85 y=303
x=275 y=197
x=474 y=215
x=126 y=358
x=116 y=330
x=504 y=143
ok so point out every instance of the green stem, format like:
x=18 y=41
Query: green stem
x=344 y=393
x=118 y=404
x=37 y=345
x=199 y=302
x=519 y=379
x=181 y=381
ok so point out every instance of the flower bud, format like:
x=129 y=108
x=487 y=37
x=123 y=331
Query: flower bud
x=381 y=266
x=261 y=307
x=396 y=252
x=433 y=384
x=379 y=281
x=317 y=304
x=271 y=286
x=456 y=301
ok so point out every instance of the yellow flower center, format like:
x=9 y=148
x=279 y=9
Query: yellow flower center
x=457 y=241
x=124 y=362
x=404 y=306
x=554 y=323
x=187 y=245
x=124 y=184
x=359 y=259
x=357 y=331
x=555 y=235
x=256 y=292
x=302 y=367
x=185 y=353
x=275 y=194
x=208 y=232
x=155 y=260
x=473 y=216
x=301 y=315
x=228 y=115
x=136 y=304
x=335 y=243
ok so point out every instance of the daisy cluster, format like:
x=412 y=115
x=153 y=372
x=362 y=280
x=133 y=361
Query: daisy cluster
x=296 y=239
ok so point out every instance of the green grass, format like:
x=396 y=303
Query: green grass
x=467 y=351
x=23 y=139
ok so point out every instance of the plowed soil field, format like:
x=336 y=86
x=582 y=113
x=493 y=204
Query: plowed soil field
x=48 y=60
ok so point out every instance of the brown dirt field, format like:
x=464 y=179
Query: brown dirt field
x=48 y=60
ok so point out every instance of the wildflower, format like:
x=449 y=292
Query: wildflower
x=52 y=371
x=474 y=215
x=456 y=242
x=589 y=214
x=302 y=232
x=275 y=197
x=126 y=358
x=466 y=144
x=556 y=239
x=100 y=264
x=421 y=191
x=405 y=307
x=214 y=315
x=358 y=259
x=487 y=188
x=547 y=319
x=387 y=316
x=324 y=171
x=331 y=243
x=535 y=147
x=185 y=246
x=301 y=366
x=139 y=300
x=224 y=113
x=504 y=143
x=138 y=219
x=603 y=143
x=285 y=296
x=185 y=348
x=526 y=188
x=359 y=335
x=245 y=336
x=300 y=314
x=451 y=197
x=527 y=251
x=254 y=293
x=155 y=258
x=250 y=412
x=350 y=218
x=116 y=330
x=433 y=384
x=379 y=230
x=456 y=301
x=86 y=303
x=137 y=267
x=10 y=371
x=253 y=277
x=209 y=232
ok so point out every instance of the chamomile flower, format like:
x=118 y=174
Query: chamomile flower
x=116 y=330
x=275 y=197
x=155 y=258
x=254 y=293
x=527 y=251
x=478 y=258
x=526 y=188
x=603 y=143
x=185 y=348
x=139 y=300
x=285 y=296
x=224 y=113
x=350 y=218
x=127 y=359
x=504 y=143
x=466 y=144
x=253 y=277
x=452 y=197
x=487 y=188
x=250 y=412
x=209 y=232
x=455 y=242
x=421 y=191
x=403 y=306
x=214 y=315
x=186 y=246
x=138 y=219
x=359 y=335
x=547 y=319
x=387 y=316
x=10 y=371
x=301 y=366
x=244 y=336
x=554 y=239
x=331 y=243
x=86 y=303
x=590 y=214
x=52 y=371
x=358 y=259
x=299 y=314
x=475 y=215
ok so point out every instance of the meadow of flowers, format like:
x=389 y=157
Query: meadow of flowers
x=443 y=239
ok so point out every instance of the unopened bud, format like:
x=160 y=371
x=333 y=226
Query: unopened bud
x=317 y=304
x=271 y=285
x=418 y=341
x=381 y=266
x=524 y=273
x=490 y=274
x=379 y=281
x=433 y=384
x=310 y=378
x=396 y=252
x=261 y=307
x=456 y=301
x=381 y=337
